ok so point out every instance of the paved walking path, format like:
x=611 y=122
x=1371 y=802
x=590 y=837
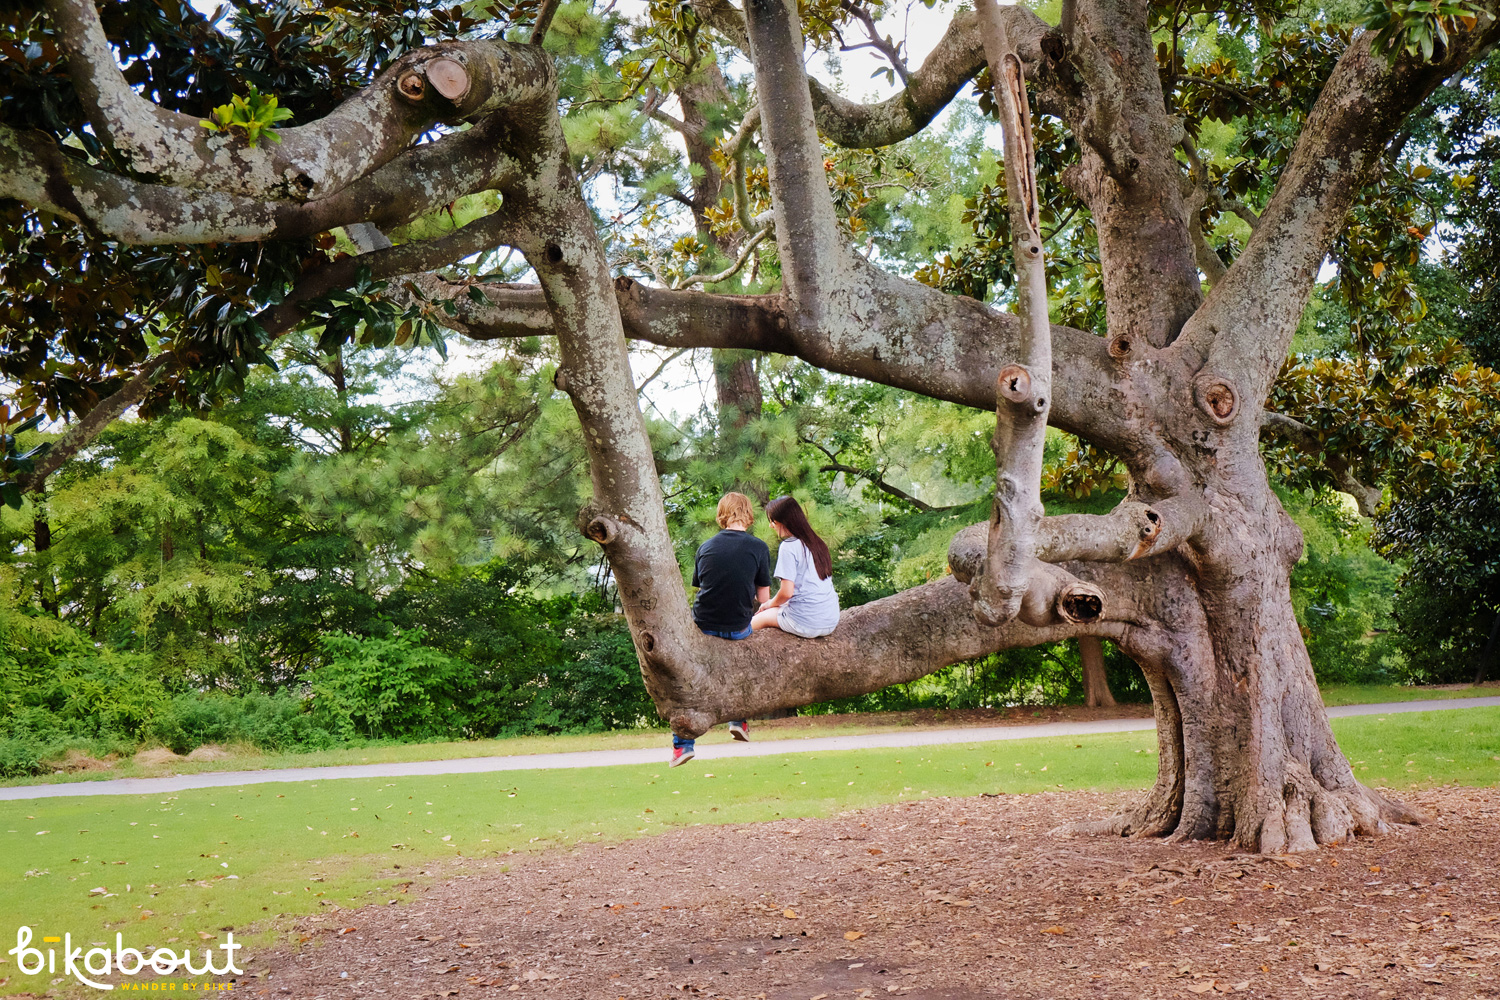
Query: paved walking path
x=657 y=755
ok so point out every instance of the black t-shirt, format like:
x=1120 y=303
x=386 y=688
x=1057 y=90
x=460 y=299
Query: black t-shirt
x=728 y=570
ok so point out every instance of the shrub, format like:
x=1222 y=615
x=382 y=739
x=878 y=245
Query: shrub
x=595 y=684
x=1041 y=675
x=390 y=687
x=276 y=722
x=32 y=738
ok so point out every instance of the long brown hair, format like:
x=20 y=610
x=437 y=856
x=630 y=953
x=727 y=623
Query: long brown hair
x=788 y=512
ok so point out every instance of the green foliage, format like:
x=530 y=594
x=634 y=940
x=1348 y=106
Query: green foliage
x=1341 y=591
x=252 y=116
x=1449 y=599
x=362 y=313
x=13 y=461
x=1416 y=27
x=406 y=544
x=58 y=692
x=277 y=721
x=381 y=687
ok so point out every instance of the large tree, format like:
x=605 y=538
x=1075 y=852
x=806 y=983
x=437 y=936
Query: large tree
x=1189 y=575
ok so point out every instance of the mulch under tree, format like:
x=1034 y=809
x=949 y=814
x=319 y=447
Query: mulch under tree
x=945 y=898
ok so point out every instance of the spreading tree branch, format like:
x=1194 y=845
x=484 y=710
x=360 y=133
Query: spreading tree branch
x=82 y=433
x=728 y=272
x=447 y=82
x=961 y=368
x=874 y=479
x=954 y=61
x=891 y=50
x=39 y=173
x=1248 y=321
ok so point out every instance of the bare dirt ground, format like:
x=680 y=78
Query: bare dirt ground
x=949 y=899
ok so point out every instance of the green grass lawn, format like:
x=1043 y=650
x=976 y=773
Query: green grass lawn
x=250 y=759
x=1374 y=694
x=173 y=866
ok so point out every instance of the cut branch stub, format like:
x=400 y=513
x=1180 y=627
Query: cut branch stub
x=1014 y=384
x=1216 y=396
x=1055 y=596
x=448 y=77
x=602 y=530
x=412 y=86
x=1150 y=531
x=1080 y=604
x=1120 y=346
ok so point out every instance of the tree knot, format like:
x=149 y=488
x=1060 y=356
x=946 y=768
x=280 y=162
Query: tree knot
x=1080 y=603
x=602 y=530
x=1216 y=397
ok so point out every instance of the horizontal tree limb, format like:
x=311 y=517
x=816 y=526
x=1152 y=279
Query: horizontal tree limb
x=312 y=161
x=900 y=638
x=958 y=362
x=412 y=261
x=37 y=172
x=1132 y=530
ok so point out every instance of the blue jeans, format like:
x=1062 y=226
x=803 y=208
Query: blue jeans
x=678 y=741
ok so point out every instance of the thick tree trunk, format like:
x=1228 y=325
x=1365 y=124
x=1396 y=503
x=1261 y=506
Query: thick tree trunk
x=1096 y=692
x=41 y=544
x=736 y=382
x=737 y=387
x=1488 y=653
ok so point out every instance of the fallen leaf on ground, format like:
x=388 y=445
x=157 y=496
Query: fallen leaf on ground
x=1056 y=929
x=790 y=914
x=853 y=935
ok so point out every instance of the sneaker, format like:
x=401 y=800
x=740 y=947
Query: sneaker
x=681 y=755
x=740 y=731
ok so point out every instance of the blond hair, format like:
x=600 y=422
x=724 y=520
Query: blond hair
x=735 y=508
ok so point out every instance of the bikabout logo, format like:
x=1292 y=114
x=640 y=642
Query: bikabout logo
x=86 y=966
